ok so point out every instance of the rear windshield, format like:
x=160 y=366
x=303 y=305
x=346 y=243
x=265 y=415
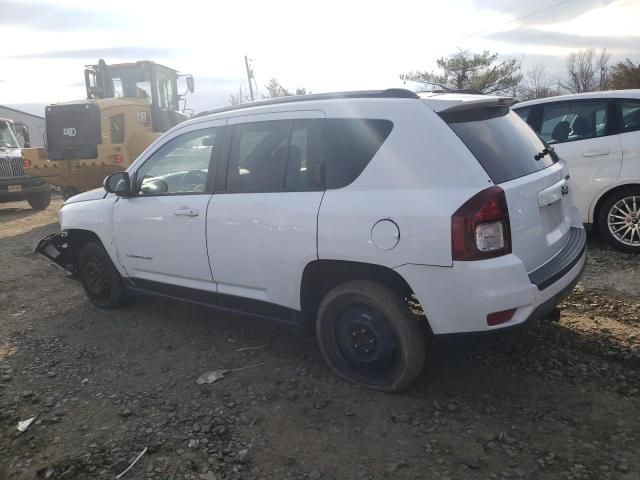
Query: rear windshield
x=501 y=141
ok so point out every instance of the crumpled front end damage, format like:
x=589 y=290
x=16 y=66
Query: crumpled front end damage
x=56 y=247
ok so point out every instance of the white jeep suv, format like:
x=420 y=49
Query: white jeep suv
x=598 y=135
x=340 y=211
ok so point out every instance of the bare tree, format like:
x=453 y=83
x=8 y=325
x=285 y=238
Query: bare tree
x=603 y=63
x=587 y=71
x=537 y=83
x=238 y=98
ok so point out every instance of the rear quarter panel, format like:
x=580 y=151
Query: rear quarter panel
x=418 y=178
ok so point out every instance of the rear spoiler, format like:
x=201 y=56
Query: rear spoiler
x=454 y=103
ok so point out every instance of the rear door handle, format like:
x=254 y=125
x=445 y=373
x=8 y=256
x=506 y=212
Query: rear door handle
x=595 y=153
x=186 y=212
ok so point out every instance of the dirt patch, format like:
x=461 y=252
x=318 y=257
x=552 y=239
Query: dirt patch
x=561 y=401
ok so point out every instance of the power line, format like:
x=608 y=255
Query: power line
x=530 y=14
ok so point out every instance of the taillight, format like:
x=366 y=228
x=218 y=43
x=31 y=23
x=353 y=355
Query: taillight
x=480 y=228
x=119 y=158
x=26 y=162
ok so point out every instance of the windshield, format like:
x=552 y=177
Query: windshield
x=7 y=138
x=131 y=81
x=503 y=143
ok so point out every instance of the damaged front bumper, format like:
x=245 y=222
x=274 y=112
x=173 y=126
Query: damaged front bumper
x=55 y=247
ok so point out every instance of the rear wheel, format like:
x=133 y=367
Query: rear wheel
x=40 y=201
x=368 y=335
x=99 y=278
x=619 y=220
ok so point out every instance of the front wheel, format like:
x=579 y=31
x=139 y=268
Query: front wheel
x=368 y=335
x=100 y=279
x=40 y=201
x=619 y=220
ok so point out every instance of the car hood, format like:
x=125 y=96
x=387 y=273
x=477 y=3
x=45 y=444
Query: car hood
x=96 y=194
x=10 y=153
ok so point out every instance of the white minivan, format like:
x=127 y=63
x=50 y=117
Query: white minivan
x=598 y=135
x=340 y=211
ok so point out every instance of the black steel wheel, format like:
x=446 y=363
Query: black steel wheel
x=99 y=278
x=368 y=335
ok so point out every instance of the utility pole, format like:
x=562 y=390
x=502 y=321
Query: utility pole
x=249 y=76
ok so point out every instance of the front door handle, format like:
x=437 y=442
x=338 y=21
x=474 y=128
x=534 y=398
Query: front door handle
x=186 y=212
x=595 y=153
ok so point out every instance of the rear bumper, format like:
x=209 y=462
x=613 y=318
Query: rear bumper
x=28 y=186
x=458 y=299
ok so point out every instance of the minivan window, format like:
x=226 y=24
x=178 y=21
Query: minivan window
x=630 y=115
x=524 y=113
x=349 y=146
x=500 y=140
x=570 y=121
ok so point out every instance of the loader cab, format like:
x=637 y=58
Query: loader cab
x=146 y=80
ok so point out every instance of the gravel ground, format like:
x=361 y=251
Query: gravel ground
x=560 y=401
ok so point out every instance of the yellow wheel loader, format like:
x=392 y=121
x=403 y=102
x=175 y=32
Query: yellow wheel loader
x=128 y=106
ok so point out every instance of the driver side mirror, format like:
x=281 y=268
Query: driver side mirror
x=190 y=84
x=118 y=183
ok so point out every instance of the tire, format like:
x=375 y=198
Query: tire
x=619 y=220
x=40 y=201
x=99 y=278
x=368 y=335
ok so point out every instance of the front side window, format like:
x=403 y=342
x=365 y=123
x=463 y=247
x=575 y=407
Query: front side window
x=181 y=165
x=571 y=121
x=630 y=115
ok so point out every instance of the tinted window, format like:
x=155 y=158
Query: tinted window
x=504 y=145
x=181 y=165
x=304 y=156
x=258 y=157
x=570 y=121
x=523 y=113
x=349 y=146
x=630 y=116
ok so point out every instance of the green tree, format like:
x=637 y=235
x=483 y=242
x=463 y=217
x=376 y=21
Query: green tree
x=275 y=90
x=625 y=75
x=469 y=70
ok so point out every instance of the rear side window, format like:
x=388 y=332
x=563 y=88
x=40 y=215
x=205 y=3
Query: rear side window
x=258 y=157
x=349 y=146
x=500 y=140
x=630 y=115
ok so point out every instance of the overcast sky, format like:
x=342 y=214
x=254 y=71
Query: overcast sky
x=323 y=45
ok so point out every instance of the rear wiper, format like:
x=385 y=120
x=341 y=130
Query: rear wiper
x=547 y=151
x=540 y=156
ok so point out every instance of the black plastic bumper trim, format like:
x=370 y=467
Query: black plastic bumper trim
x=564 y=261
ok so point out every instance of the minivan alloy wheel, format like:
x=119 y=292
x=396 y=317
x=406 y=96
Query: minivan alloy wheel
x=624 y=220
